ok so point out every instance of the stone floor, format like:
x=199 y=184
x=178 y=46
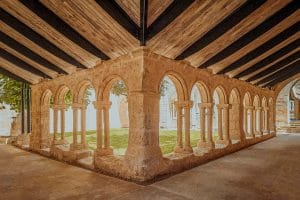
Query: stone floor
x=269 y=170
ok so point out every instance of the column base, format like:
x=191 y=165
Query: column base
x=103 y=152
x=224 y=142
x=188 y=149
x=74 y=147
x=178 y=149
x=201 y=144
x=210 y=145
x=60 y=142
x=265 y=132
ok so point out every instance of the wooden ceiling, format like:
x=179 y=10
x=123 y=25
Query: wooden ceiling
x=253 y=40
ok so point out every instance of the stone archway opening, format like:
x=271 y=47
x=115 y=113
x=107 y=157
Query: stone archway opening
x=234 y=116
x=248 y=116
x=85 y=98
x=220 y=118
x=172 y=116
x=115 y=119
x=63 y=117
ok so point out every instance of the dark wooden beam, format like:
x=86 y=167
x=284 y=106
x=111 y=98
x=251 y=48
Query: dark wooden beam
x=265 y=26
x=20 y=63
x=288 y=69
x=169 y=15
x=53 y=20
x=118 y=14
x=282 y=77
x=12 y=75
x=37 y=38
x=276 y=66
x=273 y=57
x=226 y=24
x=260 y=50
x=28 y=53
x=143 y=21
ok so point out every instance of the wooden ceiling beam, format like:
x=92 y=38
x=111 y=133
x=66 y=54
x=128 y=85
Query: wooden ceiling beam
x=13 y=76
x=276 y=66
x=276 y=55
x=265 y=26
x=20 y=63
x=62 y=27
x=289 y=68
x=168 y=16
x=260 y=50
x=28 y=53
x=143 y=21
x=226 y=24
x=37 y=38
x=283 y=76
x=118 y=14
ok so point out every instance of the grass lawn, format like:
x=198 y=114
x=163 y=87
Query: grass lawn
x=119 y=139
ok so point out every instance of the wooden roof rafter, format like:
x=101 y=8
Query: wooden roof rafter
x=13 y=76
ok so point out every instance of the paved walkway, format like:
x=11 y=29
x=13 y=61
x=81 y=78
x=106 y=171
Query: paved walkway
x=269 y=170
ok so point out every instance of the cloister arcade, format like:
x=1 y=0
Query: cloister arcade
x=227 y=101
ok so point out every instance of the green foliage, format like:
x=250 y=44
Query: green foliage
x=10 y=93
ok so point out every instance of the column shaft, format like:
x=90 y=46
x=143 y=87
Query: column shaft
x=62 y=123
x=209 y=127
x=187 y=143
x=179 y=127
x=226 y=125
x=251 y=122
x=220 y=122
x=55 y=121
x=202 y=124
x=106 y=128
x=75 y=125
x=99 y=128
x=83 y=126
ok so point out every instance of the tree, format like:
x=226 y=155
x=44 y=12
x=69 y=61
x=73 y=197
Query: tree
x=10 y=93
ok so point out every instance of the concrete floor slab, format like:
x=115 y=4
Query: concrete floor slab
x=269 y=170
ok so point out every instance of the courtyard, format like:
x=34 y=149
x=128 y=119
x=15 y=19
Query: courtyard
x=241 y=175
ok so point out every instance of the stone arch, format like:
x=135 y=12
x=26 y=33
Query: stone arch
x=46 y=96
x=221 y=92
x=81 y=89
x=107 y=85
x=179 y=83
x=60 y=94
x=234 y=115
x=247 y=101
x=264 y=102
x=203 y=91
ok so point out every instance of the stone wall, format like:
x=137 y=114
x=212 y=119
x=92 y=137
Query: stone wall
x=142 y=71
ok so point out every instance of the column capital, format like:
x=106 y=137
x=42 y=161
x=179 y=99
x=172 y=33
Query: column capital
x=187 y=104
x=102 y=104
x=249 y=107
x=206 y=105
x=59 y=106
x=76 y=106
x=257 y=107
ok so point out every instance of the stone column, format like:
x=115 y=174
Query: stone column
x=254 y=121
x=220 y=122
x=55 y=121
x=259 y=120
x=266 y=118
x=227 y=138
x=202 y=140
x=62 y=123
x=210 y=141
x=83 y=126
x=187 y=143
x=75 y=108
x=99 y=128
x=106 y=107
x=245 y=114
x=179 y=145
x=251 y=121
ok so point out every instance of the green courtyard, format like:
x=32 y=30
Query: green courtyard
x=119 y=139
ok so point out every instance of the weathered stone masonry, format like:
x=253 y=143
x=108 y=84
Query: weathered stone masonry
x=246 y=115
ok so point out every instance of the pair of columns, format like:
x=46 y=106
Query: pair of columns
x=206 y=121
x=56 y=109
x=262 y=120
x=102 y=110
x=76 y=108
x=183 y=112
x=223 y=124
